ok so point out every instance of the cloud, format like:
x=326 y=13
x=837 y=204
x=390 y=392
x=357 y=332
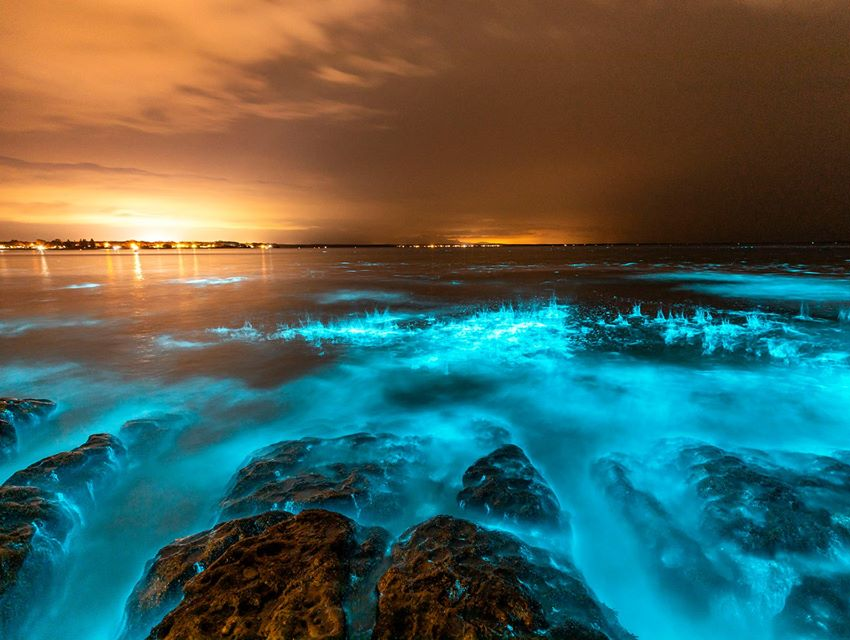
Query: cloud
x=394 y=120
x=35 y=168
x=169 y=66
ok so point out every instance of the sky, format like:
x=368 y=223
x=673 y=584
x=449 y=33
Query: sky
x=355 y=121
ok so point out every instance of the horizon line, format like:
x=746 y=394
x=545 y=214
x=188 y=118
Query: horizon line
x=86 y=244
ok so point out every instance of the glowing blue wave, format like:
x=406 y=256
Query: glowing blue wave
x=518 y=333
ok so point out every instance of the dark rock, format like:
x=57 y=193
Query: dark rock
x=152 y=435
x=505 y=485
x=39 y=508
x=161 y=588
x=15 y=412
x=759 y=506
x=26 y=409
x=679 y=560
x=300 y=578
x=76 y=472
x=362 y=475
x=8 y=439
x=817 y=608
x=25 y=514
x=450 y=578
x=34 y=524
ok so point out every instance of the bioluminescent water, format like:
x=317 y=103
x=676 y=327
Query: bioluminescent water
x=690 y=407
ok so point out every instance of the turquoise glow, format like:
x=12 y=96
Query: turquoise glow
x=574 y=367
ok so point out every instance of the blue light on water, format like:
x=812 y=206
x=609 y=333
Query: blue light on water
x=759 y=286
x=570 y=379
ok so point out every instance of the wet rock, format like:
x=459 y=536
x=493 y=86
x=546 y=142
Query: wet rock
x=758 y=505
x=26 y=409
x=39 y=508
x=8 y=439
x=74 y=473
x=304 y=577
x=676 y=558
x=15 y=412
x=153 y=435
x=161 y=588
x=34 y=526
x=450 y=578
x=362 y=475
x=505 y=485
x=817 y=608
x=29 y=517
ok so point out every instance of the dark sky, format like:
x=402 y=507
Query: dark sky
x=394 y=120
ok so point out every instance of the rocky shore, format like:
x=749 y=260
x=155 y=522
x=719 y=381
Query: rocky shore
x=296 y=551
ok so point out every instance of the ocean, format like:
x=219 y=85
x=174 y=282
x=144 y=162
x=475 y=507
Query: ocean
x=647 y=357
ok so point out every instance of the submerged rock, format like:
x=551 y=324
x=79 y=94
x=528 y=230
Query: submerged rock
x=676 y=558
x=361 y=475
x=817 y=608
x=161 y=588
x=450 y=578
x=304 y=577
x=151 y=435
x=761 y=506
x=76 y=472
x=505 y=485
x=14 y=412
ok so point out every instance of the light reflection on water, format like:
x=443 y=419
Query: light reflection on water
x=575 y=352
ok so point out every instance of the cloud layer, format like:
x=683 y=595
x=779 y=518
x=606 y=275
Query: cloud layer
x=388 y=120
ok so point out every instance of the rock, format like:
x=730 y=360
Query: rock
x=505 y=485
x=304 y=577
x=153 y=435
x=161 y=588
x=362 y=475
x=24 y=513
x=14 y=412
x=450 y=578
x=76 y=472
x=758 y=505
x=817 y=608
x=8 y=439
x=39 y=507
x=25 y=410
x=676 y=558
x=34 y=525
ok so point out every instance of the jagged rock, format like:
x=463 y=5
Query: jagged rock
x=505 y=485
x=361 y=475
x=14 y=411
x=678 y=559
x=758 y=505
x=161 y=588
x=39 y=507
x=450 y=578
x=818 y=608
x=25 y=409
x=34 y=526
x=75 y=472
x=305 y=577
x=27 y=513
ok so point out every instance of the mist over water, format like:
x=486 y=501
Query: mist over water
x=632 y=355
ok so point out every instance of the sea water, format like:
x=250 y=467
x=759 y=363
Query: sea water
x=573 y=353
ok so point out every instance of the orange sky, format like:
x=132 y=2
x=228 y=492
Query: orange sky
x=395 y=121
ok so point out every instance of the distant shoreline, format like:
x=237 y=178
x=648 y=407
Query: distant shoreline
x=135 y=246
